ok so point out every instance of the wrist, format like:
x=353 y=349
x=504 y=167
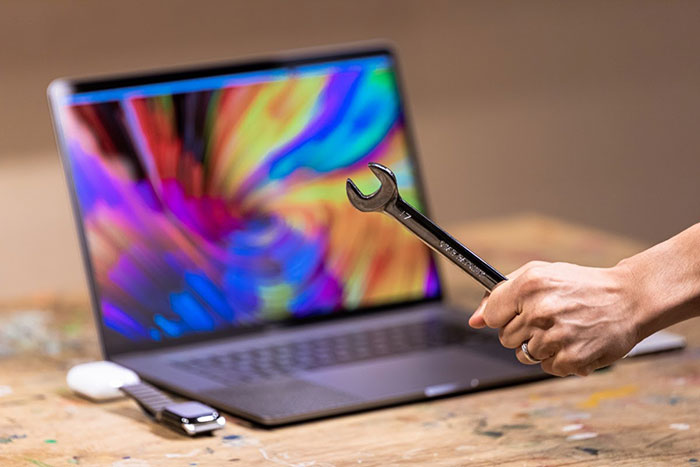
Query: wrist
x=662 y=284
x=635 y=285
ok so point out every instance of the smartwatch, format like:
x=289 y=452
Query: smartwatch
x=192 y=418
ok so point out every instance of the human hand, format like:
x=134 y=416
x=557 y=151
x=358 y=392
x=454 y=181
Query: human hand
x=575 y=319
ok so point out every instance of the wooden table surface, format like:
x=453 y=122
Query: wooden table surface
x=643 y=411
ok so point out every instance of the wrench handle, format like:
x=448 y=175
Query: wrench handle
x=442 y=242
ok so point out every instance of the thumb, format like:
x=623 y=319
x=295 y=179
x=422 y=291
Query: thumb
x=477 y=319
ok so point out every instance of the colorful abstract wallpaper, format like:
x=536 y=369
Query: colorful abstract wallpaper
x=211 y=205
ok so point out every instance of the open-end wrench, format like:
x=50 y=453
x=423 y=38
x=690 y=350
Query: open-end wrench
x=388 y=200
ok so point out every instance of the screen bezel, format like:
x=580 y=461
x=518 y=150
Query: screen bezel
x=61 y=88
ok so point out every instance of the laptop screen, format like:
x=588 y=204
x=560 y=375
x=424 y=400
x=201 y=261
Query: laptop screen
x=216 y=201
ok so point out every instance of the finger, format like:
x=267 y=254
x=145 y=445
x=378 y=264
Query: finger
x=585 y=364
x=506 y=300
x=590 y=368
x=557 y=366
x=548 y=367
x=501 y=306
x=539 y=347
x=533 y=316
x=513 y=334
x=477 y=319
x=566 y=363
x=558 y=363
x=546 y=344
x=520 y=355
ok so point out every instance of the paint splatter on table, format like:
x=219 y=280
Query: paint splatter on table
x=643 y=411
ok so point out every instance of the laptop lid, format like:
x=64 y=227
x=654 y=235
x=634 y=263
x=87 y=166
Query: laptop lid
x=211 y=201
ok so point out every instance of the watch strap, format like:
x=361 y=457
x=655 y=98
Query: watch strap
x=151 y=399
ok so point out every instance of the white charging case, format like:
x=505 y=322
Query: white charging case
x=100 y=381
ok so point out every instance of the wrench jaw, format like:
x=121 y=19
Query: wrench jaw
x=387 y=193
x=385 y=176
x=361 y=202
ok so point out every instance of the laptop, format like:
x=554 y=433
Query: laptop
x=224 y=260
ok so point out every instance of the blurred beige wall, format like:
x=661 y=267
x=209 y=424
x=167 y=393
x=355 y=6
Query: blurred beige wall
x=584 y=110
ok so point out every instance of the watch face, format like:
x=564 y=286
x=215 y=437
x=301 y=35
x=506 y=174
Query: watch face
x=192 y=411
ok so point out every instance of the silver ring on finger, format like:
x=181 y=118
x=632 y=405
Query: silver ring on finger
x=527 y=355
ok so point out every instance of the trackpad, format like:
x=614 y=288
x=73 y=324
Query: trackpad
x=451 y=368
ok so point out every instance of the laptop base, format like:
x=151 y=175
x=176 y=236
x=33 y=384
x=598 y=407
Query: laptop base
x=478 y=363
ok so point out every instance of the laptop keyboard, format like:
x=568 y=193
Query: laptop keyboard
x=267 y=362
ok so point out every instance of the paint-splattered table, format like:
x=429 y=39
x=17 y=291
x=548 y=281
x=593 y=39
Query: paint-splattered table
x=643 y=411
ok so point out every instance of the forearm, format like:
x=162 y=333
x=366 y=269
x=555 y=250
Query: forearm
x=665 y=282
